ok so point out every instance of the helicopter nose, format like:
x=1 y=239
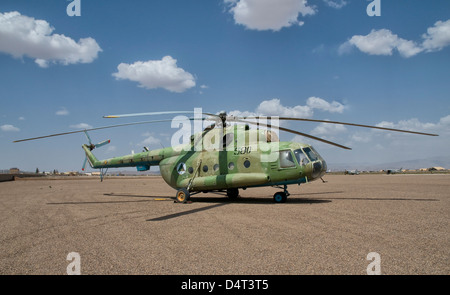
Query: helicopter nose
x=319 y=168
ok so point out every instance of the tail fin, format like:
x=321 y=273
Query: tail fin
x=90 y=156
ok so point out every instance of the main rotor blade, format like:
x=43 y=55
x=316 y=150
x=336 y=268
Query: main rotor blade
x=344 y=123
x=98 y=128
x=156 y=113
x=292 y=131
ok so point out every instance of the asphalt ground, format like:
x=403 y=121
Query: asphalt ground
x=132 y=226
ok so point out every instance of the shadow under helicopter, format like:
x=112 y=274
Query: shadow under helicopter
x=223 y=200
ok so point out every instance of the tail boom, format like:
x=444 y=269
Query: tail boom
x=141 y=160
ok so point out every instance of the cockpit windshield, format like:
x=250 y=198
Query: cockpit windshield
x=311 y=155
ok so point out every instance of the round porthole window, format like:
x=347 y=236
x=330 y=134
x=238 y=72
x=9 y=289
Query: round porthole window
x=216 y=167
x=191 y=170
x=246 y=163
x=205 y=168
x=231 y=166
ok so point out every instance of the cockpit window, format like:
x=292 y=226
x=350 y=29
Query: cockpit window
x=286 y=160
x=311 y=155
x=301 y=158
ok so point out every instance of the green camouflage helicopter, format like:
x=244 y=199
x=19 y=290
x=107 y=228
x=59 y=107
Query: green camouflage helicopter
x=225 y=157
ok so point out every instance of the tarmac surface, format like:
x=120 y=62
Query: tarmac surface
x=131 y=225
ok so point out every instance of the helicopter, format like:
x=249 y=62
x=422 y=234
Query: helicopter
x=224 y=157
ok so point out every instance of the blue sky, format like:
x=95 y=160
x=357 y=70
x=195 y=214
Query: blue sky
x=319 y=59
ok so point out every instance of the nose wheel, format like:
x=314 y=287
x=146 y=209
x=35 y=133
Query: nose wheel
x=281 y=197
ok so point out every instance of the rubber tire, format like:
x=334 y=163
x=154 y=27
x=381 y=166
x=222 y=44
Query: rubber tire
x=233 y=193
x=280 y=197
x=183 y=195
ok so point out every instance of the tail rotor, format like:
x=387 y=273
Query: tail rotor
x=92 y=146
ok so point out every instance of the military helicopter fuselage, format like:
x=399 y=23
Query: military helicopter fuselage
x=225 y=157
x=240 y=159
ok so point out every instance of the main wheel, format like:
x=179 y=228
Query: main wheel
x=232 y=193
x=280 y=197
x=183 y=195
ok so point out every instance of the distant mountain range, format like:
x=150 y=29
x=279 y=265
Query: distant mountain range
x=409 y=164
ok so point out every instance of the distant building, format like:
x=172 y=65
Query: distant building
x=14 y=171
x=436 y=168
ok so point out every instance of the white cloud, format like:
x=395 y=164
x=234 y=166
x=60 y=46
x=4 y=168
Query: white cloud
x=437 y=37
x=273 y=107
x=445 y=121
x=81 y=126
x=62 y=112
x=384 y=42
x=338 y=4
x=415 y=125
x=153 y=74
x=111 y=149
x=9 y=128
x=269 y=14
x=323 y=105
x=328 y=129
x=21 y=35
x=150 y=139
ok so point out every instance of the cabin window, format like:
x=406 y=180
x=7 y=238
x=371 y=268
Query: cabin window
x=246 y=163
x=301 y=158
x=216 y=167
x=231 y=166
x=286 y=159
x=191 y=170
x=205 y=168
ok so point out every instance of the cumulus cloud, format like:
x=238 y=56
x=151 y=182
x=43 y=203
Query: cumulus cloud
x=81 y=126
x=22 y=35
x=415 y=124
x=338 y=4
x=273 y=107
x=328 y=129
x=381 y=42
x=150 y=139
x=437 y=37
x=153 y=74
x=323 y=105
x=269 y=14
x=9 y=128
x=62 y=112
x=384 y=42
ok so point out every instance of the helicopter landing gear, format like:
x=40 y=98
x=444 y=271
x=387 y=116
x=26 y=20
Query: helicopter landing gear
x=232 y=193
x=281 y=197
x=183 y=195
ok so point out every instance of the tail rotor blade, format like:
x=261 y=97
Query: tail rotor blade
x=105 y=142
x=88 y=137
x=84 y=163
